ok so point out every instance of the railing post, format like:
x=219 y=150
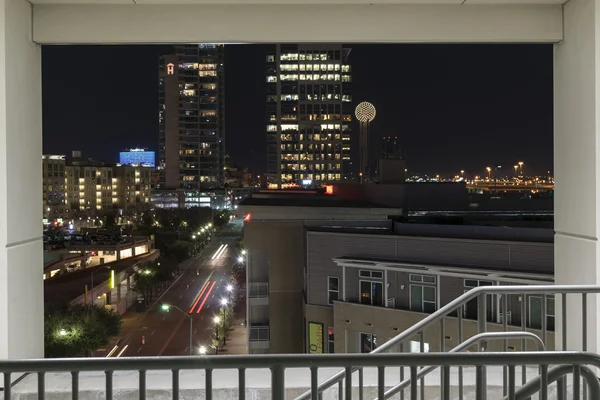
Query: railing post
x=480 y=379
x=278 y=383
x=349 y=383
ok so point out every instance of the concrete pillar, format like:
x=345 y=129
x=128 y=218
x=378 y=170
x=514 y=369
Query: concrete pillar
x=577 y=168
x=21 y=248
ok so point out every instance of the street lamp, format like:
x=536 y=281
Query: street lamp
x=489 y=171
x=202 y=350
x=62 y=332
x=521 y=167
x=193 y=236
x=167 y=307
x=244 y=252
x=240 y=259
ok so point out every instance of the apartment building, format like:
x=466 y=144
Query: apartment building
x=328 y=275
x=72 y=186
x=364 y=288
x=54 y=197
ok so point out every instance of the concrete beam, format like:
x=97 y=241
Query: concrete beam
x=354 y=23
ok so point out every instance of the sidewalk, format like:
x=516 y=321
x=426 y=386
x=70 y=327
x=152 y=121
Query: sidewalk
x=236 y=337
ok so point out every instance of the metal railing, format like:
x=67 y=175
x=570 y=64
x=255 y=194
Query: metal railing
x=259 y=333
x=575 y=362
x=259 y=290
x=464 y=346
x=455 y=309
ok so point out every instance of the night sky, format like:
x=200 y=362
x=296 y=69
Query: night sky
x=452 y=107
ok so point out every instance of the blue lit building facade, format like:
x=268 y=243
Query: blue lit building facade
x=138 y=156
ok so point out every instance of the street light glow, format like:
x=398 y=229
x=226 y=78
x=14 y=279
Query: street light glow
x=165 y=307
x=240 y=259
x=229 y=288
x=224 y=302
x=62 y=332
x=217 y=319
x=202 y=350
x=244 y=252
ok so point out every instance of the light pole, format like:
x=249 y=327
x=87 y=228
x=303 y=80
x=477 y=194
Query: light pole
x=516 y=167
x=521 y=167
x=167 y=307
x=489 y=171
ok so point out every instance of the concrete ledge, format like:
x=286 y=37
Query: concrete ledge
x=225 y=387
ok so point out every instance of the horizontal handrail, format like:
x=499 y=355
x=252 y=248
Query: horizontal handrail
x=465 y=345
x=444 y=311
x=262 y=361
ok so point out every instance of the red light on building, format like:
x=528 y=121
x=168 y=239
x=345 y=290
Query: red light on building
x=328 y=189
x=247 y=217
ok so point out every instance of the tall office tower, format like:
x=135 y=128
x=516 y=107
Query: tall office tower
x=309 y=113
x=192 y=117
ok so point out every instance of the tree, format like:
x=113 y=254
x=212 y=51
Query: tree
x=77 y=330
x=238 y=275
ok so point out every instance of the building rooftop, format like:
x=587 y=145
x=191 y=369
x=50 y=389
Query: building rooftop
x=307 y=201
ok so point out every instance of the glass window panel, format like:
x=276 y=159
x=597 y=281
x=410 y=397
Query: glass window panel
x=429 y=279
x=333 y=296
x=377 y=274
x=429 y=294
x=365 y=292
x=416 y=298
x=535 y=312
x=364 y=274
x=333 y=284
x=429 y=307
x=377 y=293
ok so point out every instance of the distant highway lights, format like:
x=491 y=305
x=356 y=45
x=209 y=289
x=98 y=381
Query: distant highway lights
x=167 y=308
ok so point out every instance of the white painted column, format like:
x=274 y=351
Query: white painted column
x=577 y=167
x=21 y=253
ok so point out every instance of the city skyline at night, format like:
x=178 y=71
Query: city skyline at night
x=443 y=102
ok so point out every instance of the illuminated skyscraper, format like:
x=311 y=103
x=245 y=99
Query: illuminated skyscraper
x=309 y=113
x=192 y=118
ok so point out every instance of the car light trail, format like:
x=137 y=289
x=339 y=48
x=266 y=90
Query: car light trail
x=206 y=298
x=222 y=251
x=217 y=252
x=112 y=351
x=199 y=297
x=123 y=351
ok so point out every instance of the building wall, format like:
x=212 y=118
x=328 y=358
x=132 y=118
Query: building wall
x=397 y=285
x=276 y=255
x=349 y=320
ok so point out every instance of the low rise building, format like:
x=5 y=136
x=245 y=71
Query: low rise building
x=326 y=274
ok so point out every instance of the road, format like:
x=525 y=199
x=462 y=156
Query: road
x=198 y=293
